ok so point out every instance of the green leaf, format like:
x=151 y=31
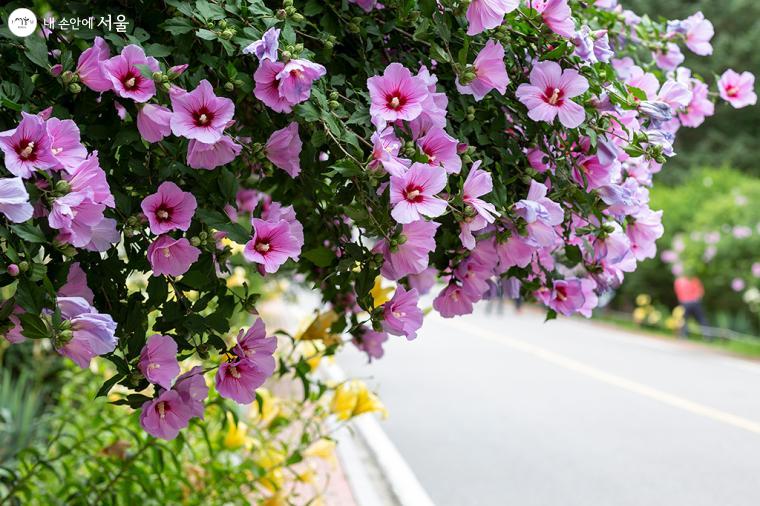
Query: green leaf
x=307 y=111
x=29 y=232
x=158 y=50
x=345 y=167
x=209 y=11
x=312 y=8
x=33 y=327
x=103 y=391
x=37 y=51
x=438 y=53
x=201 y=274
x=157 y=290
x=228 y=185
x=178 y=26
x=206 y=34
x=320 y=256
x=637 y=92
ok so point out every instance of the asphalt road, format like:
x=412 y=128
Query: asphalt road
x=508 y=410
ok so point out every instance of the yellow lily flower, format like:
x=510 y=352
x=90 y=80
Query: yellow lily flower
x=379 y=294
x=236 y=433
x=322 y=448
x=353 y=398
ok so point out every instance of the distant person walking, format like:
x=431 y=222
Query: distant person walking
x=689 y=291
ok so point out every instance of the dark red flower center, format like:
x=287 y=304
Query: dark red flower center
x=413 y=193
x=131 y=80
x=26 y=150
x=395 y=100
x=732 y=90
x=163 y=213
x=162 y=407
x=560 y=293
x=263 y=247
x=203 y=117
x=554 y=96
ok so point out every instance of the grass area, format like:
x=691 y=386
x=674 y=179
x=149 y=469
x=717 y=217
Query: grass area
x=749 y=348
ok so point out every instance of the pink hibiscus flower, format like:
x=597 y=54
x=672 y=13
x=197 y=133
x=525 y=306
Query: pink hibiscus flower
x=699 y=32
x=171 y=257
x=556 y=15
x=296 y=78
x=239 y=380
x=268 y=86
x=413 y=193
x=272 y=244
x=76 y=285
x=90 y=66
x=401 y=315
x=490 y=72
x=158 y=360
x=486 y=14
x=200 y=114
x=549 y=92
x=88 y=177
x=169 y=208
x=284 y=148
x=14 y=200
x=154 y=122
x=92 y=333
x=396 y=95
x=737 y=89
x=126 y=79
x=65 y=143
x=254 y=344
x=541 y=214
x=27 y=147
x=75 y=214
x=164 y=416
x=441 y=149
x=452 y=301
x=210 y=156
x=266 y=47
x=410 y=252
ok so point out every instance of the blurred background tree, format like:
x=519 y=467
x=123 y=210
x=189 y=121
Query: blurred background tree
x=729 y=137
x=711 y=230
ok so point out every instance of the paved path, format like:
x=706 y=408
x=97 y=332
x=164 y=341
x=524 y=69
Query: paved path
x=507 y=410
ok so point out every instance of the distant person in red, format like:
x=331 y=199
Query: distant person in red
x=689 y=291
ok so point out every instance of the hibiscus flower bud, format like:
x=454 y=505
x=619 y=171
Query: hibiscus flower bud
x=656 y=110
x=67 y=77
x=63 y=187
x=229 y=86
x=75 y=88
x=468 y=76
x=12 y=270
x=23 y=266
x=281 y=14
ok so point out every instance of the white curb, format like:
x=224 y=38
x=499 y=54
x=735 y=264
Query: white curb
x=399 y=476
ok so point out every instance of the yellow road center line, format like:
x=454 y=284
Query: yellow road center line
x=611 y=379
